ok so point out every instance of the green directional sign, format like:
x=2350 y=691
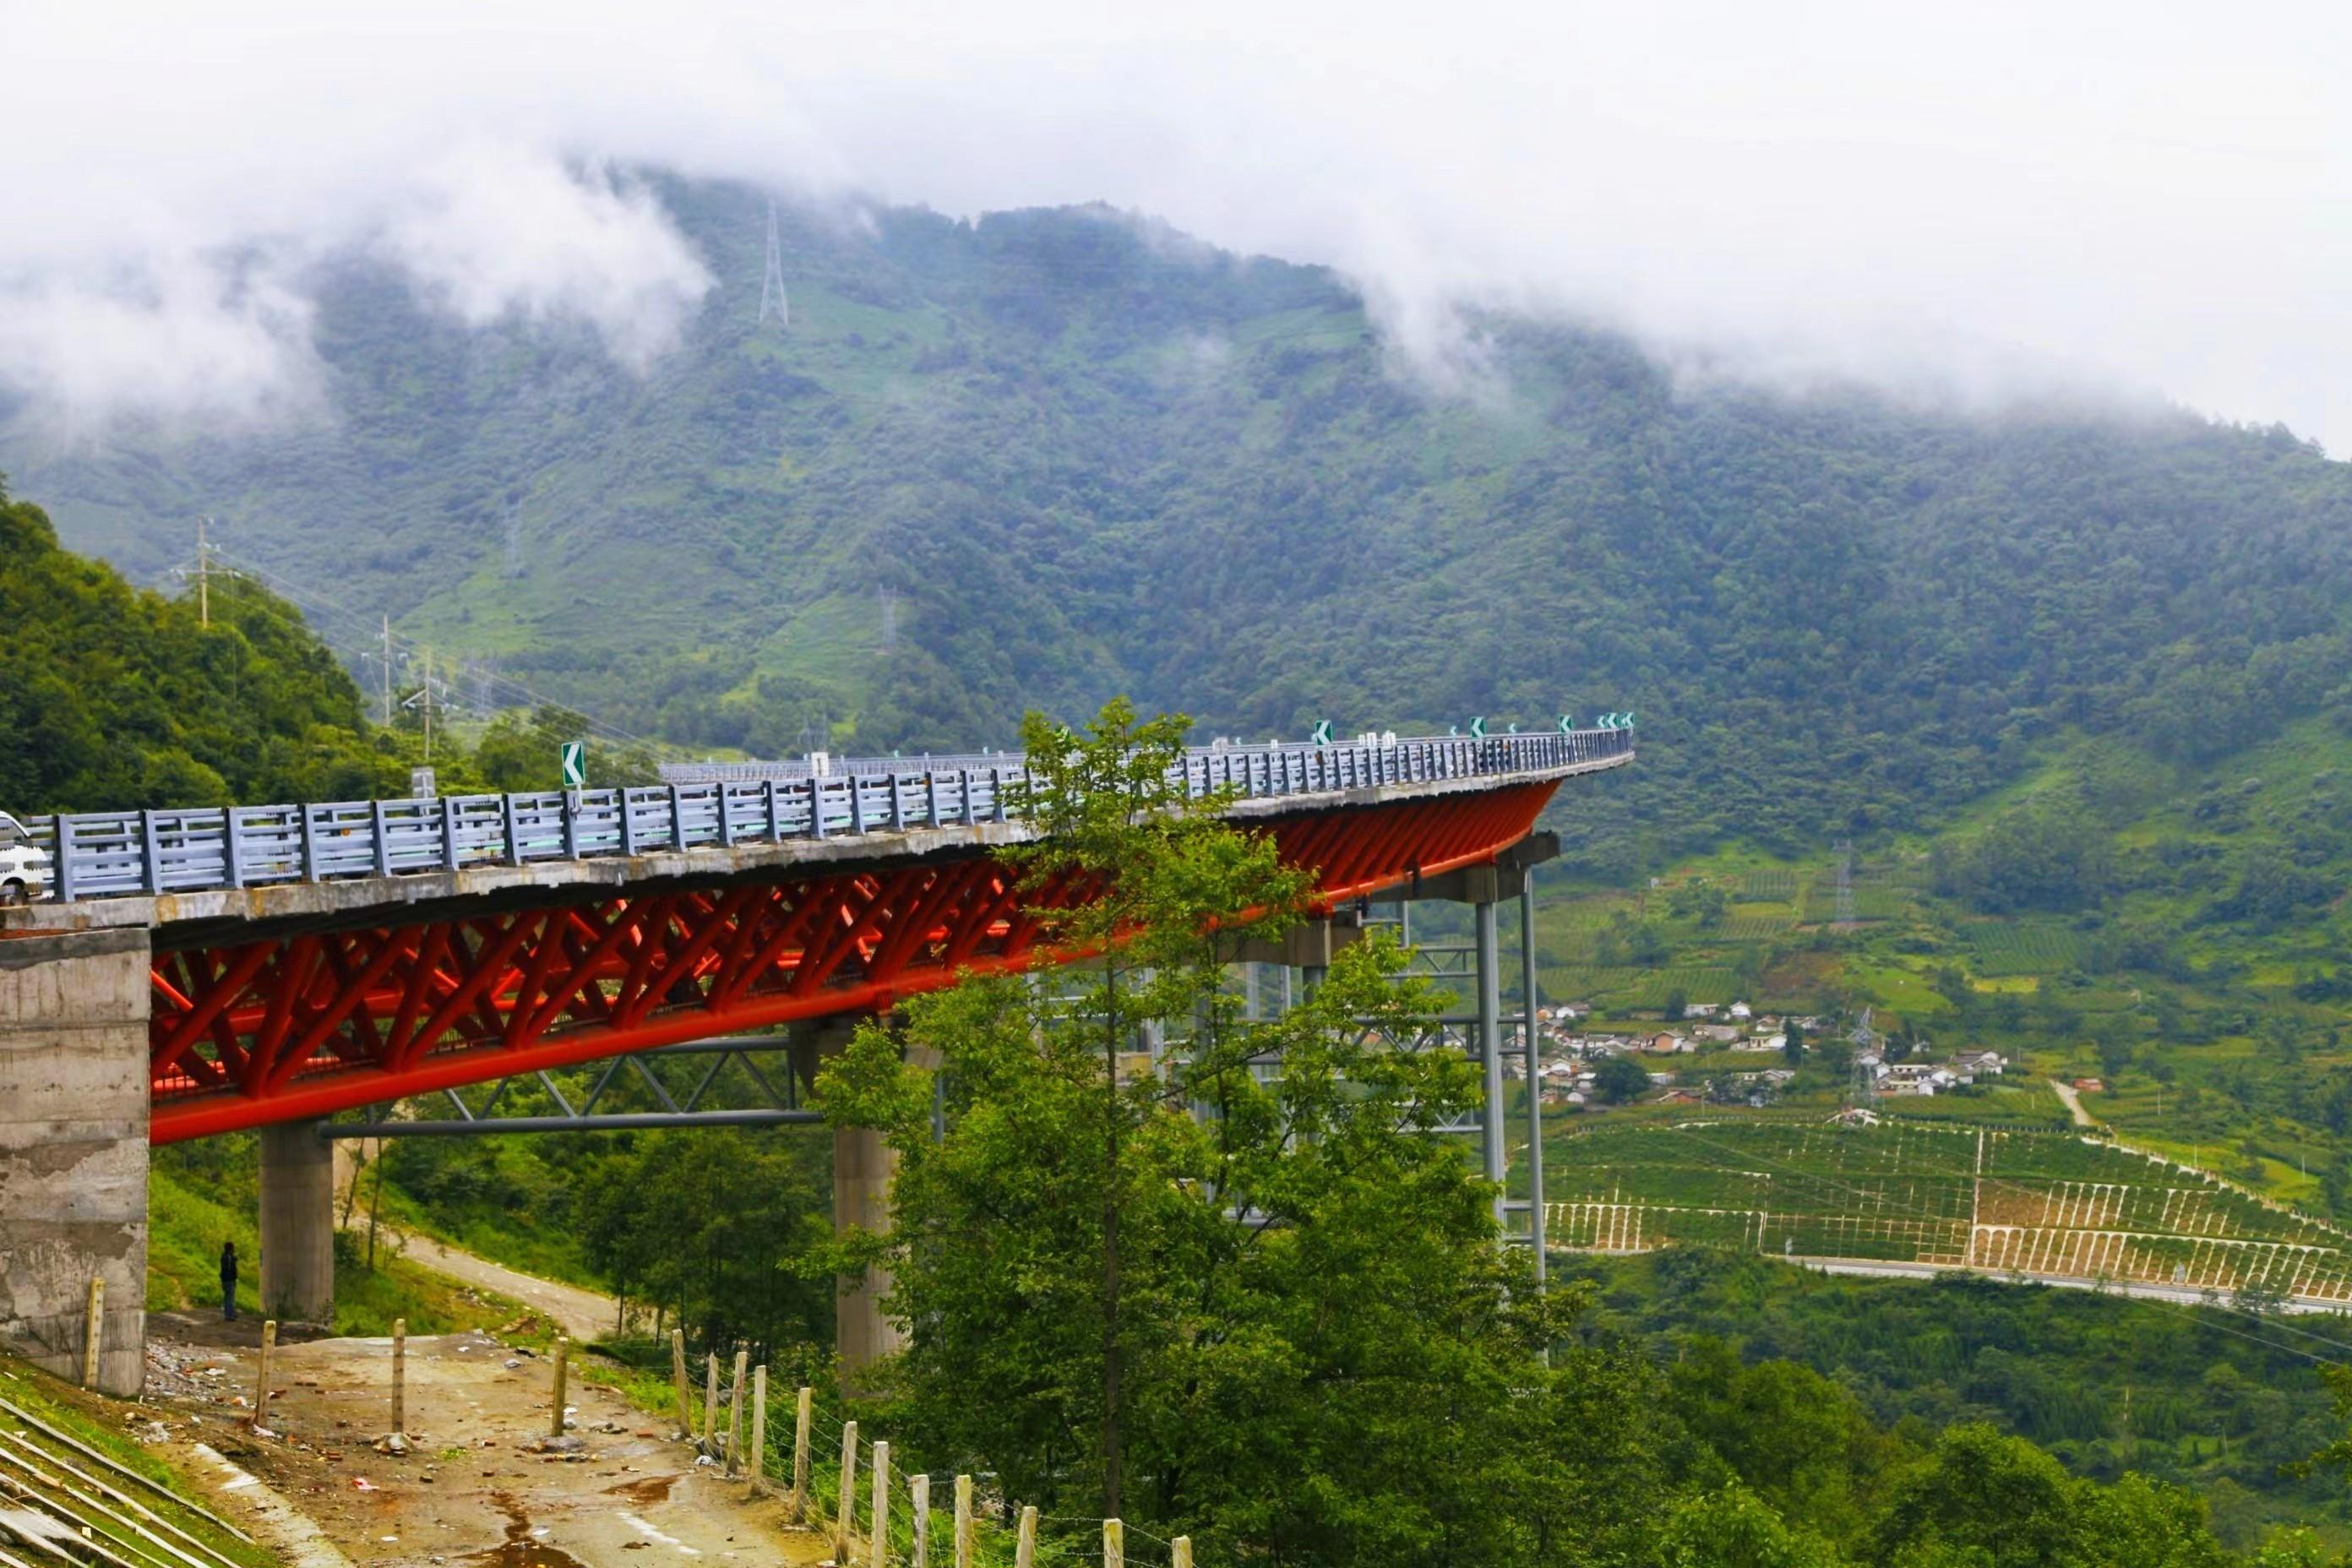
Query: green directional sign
x=1567 y=725
x=1628 y=717
x=1478 y=728
x=1322 y=736
x=575 y=764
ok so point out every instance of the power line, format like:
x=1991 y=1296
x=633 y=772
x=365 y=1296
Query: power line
x=314 y=604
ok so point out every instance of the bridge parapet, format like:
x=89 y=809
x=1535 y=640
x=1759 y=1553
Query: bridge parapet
x=158 y=854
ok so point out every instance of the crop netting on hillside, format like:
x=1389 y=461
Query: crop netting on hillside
x=1947 y=1196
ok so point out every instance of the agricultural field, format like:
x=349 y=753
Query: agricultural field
x=2021 y=947
x=2000 y=1200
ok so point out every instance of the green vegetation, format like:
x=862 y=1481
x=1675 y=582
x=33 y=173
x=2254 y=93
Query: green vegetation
x=2109 y=1384
x=203 y=1194
x=1034 y=459
x=97 y=1423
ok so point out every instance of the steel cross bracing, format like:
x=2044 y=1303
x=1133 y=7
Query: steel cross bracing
x=151 y=853
x=711 y=1096
x=247 y=1030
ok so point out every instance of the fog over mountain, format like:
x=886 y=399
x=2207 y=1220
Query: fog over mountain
x=1969 y=207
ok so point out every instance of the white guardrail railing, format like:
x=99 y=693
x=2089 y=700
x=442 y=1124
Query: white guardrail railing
x=116 y=854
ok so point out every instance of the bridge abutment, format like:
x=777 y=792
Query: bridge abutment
x=298 y=1222
x=73 y=1149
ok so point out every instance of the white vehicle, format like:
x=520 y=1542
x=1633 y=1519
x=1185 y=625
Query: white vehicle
x=23 y=865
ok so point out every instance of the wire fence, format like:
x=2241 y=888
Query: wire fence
x=881 y=1510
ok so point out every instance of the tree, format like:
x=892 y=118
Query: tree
x=1253 y=1311
x=1793 y=1047
x=1620 y=1078
x=1678 y=1004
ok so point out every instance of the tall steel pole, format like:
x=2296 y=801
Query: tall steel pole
x=1490 y=1049
x=1530 y=1035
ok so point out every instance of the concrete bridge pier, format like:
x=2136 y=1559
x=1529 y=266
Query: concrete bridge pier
x=73 y=1149
x=298 y=1222
x=862 y=1166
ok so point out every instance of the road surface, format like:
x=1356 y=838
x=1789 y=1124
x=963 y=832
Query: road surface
x=2074 y=1103
x=584 y=1314
x=2186 y=1295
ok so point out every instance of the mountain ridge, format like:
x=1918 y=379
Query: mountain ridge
x=1040 y=457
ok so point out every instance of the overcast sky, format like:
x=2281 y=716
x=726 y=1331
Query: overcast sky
x=1973 y=202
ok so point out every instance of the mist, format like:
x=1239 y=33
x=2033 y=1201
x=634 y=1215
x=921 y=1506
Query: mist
x=1973 y=205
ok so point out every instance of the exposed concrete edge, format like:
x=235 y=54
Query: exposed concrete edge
x=290 y=1533
x=368 y=897
x=25 y=949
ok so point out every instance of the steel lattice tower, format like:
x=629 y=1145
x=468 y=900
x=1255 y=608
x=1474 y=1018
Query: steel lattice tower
x=771 y=281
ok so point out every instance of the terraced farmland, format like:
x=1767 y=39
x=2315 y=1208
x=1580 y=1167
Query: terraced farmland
x=2034 y=1202
x=1630 y=986
x=2020 y=947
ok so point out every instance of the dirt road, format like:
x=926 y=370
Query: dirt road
x=469 y=1490
x=584 y=1314
x=2074 y=1103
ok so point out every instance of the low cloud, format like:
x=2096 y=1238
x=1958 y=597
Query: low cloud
x=1971 y=206
x=494 y=231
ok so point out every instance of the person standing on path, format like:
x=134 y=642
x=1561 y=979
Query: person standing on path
x=228 y=1281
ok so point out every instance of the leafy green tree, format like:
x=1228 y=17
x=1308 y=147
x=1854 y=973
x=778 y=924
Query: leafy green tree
x=1734 y=1527
x=1620 y=1078
x=1283 y=1324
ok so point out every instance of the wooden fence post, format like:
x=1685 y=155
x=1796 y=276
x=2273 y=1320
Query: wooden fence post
x=920 y=1486
x=845 y=1527
x=878 y=1555
x=1025 y=1545
x=711 y=1405
x=1180 y=1553
x=802 y=1410
x=93 y=1331
x=963 y=1522
x=1114 y=1544
x=759 y=1427
x=399 y=1375
x=677 y=1376
x=562 y=1367
x=735 y=1414
x=261 y=1387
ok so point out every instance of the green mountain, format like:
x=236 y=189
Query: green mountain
x=115 y=696
x=1042 y=457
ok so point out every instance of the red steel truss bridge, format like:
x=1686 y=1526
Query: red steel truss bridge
x=311 y=959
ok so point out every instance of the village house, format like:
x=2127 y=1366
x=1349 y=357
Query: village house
x=1720 y=1034
x=1665 y=1042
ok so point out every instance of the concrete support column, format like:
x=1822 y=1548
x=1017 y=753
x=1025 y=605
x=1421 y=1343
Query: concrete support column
x=862 y=1168
x=298 y=1224
x=73 y=1149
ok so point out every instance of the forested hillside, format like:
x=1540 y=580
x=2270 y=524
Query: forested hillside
x=111 y=695
x=1037 y=458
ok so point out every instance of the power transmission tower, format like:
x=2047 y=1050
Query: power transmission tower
x=203 y=574
x=772 y=282
x=514 y=545
x=1866 y=1078
x=386 y=666
x=1845 y=884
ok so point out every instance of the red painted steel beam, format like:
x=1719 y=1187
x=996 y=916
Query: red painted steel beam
x=245 y=1034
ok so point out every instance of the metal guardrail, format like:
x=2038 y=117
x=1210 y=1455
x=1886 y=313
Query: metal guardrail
x=144 y=853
